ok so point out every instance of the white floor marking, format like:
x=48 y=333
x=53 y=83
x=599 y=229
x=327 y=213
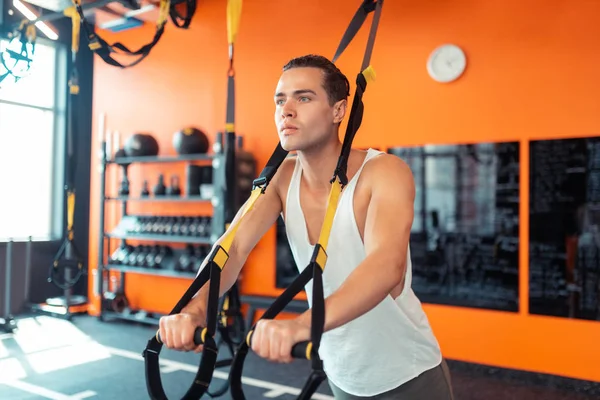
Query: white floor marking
x=166 y=369
x=275 y=389
x=84 y=395
x=43 y=392
x=274 y=393
x=11 y=368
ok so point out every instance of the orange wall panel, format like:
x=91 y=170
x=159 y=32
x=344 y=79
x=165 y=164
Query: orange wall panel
x=531 y=74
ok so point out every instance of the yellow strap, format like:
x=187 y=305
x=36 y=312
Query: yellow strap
x=163 y=13
x=228 y=239
x=70 y=213
x=234 y=12
x=76 y=23
x=229 y=127
x=332 y=202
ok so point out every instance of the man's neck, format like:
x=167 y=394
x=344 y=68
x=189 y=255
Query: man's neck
x=318 y=164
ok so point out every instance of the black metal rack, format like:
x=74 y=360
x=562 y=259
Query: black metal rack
x=114 y=304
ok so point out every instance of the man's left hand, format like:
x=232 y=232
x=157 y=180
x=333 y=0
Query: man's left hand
x=274 y=339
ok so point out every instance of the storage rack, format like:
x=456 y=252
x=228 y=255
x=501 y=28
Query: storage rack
x=222 y=160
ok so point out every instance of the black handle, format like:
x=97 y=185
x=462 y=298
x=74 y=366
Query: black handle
x=198 y=334
x=301 y=350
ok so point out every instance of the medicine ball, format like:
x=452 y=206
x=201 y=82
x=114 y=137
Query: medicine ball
x=141 y=144
x=190 y=141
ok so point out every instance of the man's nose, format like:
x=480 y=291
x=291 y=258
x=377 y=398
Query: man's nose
x=288 y=111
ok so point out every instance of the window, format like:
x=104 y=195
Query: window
x=31 y=147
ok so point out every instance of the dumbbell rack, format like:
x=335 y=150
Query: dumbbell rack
x=222 y=198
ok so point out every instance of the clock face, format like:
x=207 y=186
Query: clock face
x=446 y=63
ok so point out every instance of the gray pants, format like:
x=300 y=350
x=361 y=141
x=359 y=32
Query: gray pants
x=433 y=384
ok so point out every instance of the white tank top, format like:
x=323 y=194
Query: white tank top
x=388 y=345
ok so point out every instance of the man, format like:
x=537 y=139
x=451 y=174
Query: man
x=377 y=339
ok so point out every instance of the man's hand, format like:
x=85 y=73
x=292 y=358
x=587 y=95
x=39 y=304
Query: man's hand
x=274 y=339
x=177 y=331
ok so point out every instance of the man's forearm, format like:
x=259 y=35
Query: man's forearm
x=364 y=289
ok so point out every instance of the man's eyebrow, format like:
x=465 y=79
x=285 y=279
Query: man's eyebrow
x=297 y=92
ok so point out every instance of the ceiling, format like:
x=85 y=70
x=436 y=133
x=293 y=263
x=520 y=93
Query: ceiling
x=145 y=10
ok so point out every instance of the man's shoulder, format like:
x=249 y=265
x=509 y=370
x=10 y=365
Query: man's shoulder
x=282 y=177
x=388 y=169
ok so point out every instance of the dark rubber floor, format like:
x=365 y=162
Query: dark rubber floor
x=51 y=358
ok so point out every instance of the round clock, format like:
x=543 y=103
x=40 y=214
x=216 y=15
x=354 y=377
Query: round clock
x=446 y=63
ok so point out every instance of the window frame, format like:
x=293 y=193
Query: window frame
x=57 y=217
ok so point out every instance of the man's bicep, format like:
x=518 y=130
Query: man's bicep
x=391 y=209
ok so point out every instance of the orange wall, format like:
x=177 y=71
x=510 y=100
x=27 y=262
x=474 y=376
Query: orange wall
x=531 y=74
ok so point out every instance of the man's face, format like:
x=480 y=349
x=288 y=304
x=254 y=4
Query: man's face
x=303 y=115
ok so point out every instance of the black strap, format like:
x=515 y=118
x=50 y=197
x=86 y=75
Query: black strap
x=182 y=21
x=271 y=167
x=356 y=112
x=105 y=50
x=211 y=272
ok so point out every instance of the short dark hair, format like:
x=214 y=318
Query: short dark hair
x=335 y=82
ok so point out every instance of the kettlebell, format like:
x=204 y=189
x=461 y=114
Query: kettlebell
x=174 y=189
x=145 y=190
x=160 y=189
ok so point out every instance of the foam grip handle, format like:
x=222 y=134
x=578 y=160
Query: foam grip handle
x=198 y=336
x=301 y=350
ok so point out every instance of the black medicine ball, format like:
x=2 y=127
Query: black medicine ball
x=141 y=144
x=190 y=141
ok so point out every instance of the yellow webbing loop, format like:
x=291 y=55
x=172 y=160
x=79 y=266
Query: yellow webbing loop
x=95 y=45
x=369 y=74
x=234 y=12
x=229 y=127
x=221 y=257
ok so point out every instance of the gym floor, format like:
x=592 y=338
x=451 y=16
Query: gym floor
x=51 y=358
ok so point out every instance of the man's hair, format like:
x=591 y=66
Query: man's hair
x=335 y=82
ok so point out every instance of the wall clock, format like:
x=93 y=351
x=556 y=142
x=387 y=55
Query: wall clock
x=446 y=63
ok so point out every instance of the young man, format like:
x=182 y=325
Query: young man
x=377 y=340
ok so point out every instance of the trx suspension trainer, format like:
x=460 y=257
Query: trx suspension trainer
x=220 y=253
x=309 y=350
x=211 y=271
x=72 y=258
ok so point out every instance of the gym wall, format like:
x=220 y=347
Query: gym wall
x=530 y=75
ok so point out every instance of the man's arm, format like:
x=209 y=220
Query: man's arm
x=252 y=228
x=386 y=237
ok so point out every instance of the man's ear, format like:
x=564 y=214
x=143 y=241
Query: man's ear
x=339 y=111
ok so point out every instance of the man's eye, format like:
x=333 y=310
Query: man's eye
x=304 y=99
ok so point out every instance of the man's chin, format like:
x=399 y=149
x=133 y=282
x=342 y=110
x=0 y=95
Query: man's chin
x=289 y=145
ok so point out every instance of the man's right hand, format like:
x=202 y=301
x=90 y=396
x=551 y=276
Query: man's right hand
x=177 y=331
